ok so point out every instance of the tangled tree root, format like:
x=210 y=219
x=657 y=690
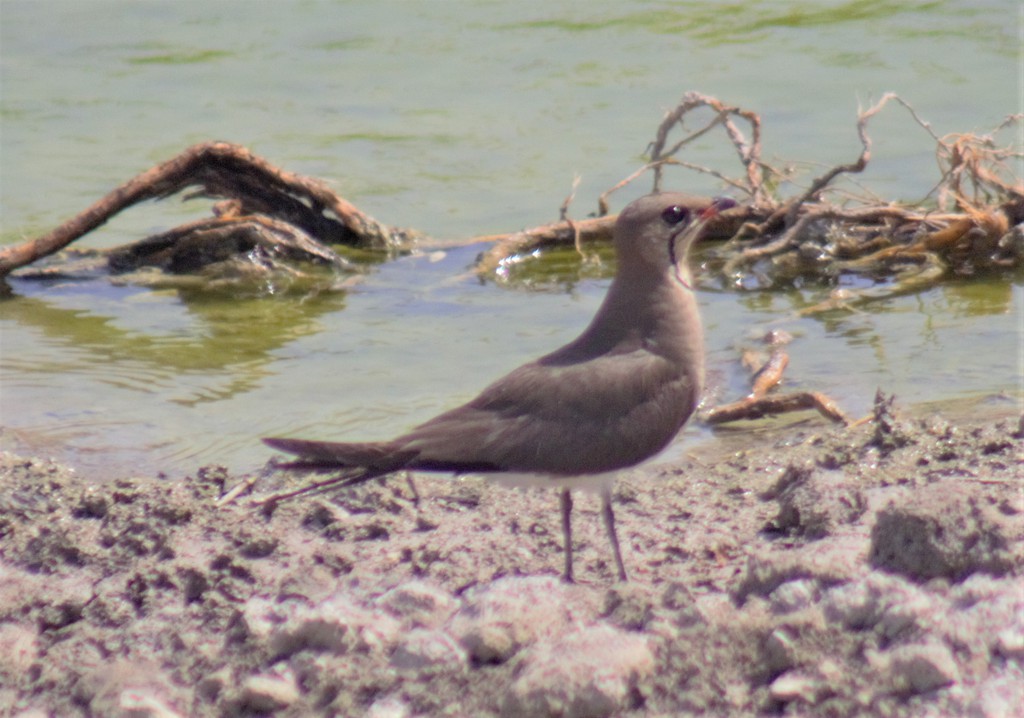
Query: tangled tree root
x=972 y=225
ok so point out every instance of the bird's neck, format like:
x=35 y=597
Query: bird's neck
x=656 y=312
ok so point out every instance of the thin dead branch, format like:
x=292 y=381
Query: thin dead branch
x=507 y=247
x=749 y=153
x=747 y=410
x=812 y=193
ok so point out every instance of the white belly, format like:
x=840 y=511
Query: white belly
x=595 y=483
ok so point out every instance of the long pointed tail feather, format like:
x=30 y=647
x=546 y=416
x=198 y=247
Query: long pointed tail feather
x=339 y=481
x=371 y=455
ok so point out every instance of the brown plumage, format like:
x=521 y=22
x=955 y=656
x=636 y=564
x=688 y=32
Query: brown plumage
x=613 y=397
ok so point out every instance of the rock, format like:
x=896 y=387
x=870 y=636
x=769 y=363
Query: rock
x=629 y=606
x=986 y=617
x=922 y=667
x=941 y=531
x=588 y=673
x=792 y=686
x=337 y=625
x=212 y=684
x=780 y=650
x=892 y=604
x=678 y=599
x=388 y=707
x=1010 y=642
x=18 y=649
x=139 y=703
x=33 y=713
x=266 y=693
x=998 y=697
x=813 y=503
x=793 y=596
x=907 y=608
x=133 y=690
x=419 y=604
x=830 y=562
x=856 y=605
x=262 y=616
x=502 y=617
x=980 y=588
x=425 y=648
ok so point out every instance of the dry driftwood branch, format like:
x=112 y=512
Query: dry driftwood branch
x=774 y=405
x=220 y=169
x=506 y=249
x=884 y=239
x=749 y=153
x=975 y=161
x=602 y=200
x=758 y=404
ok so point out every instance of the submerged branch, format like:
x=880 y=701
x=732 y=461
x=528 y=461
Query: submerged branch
x=221 y=169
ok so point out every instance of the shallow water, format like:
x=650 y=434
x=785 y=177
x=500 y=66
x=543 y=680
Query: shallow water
x=459 y=119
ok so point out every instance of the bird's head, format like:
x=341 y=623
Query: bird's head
x=654 y=233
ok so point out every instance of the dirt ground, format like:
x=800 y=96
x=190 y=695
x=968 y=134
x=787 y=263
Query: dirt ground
x=803 y=570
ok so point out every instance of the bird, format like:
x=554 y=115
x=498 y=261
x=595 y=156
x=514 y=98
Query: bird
x=610 y=399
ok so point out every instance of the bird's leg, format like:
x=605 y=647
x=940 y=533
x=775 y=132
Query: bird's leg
x=567 y=532
x=609 y=524
x=412 y=487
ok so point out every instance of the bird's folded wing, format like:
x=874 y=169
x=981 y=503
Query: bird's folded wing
x=562 y=420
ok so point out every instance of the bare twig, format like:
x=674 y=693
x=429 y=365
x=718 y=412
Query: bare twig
x=749 y=154
x=769 y=375
x=602 y=200
x=858 y=166
x=564 y=214
x=510 y=245
x=773 y=405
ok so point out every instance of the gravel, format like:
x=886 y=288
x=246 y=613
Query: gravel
x=813 y=573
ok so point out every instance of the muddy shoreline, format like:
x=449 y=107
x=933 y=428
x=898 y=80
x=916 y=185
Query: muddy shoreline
x=806 y=571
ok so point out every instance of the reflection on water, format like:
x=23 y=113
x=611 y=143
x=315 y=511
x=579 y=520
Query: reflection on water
x=226 y=339
x=976 y=299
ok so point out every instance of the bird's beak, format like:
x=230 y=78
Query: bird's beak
x=686 y=237
x=689 y=233
x=719 y=204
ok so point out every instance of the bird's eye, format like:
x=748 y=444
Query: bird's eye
x=675 y=214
